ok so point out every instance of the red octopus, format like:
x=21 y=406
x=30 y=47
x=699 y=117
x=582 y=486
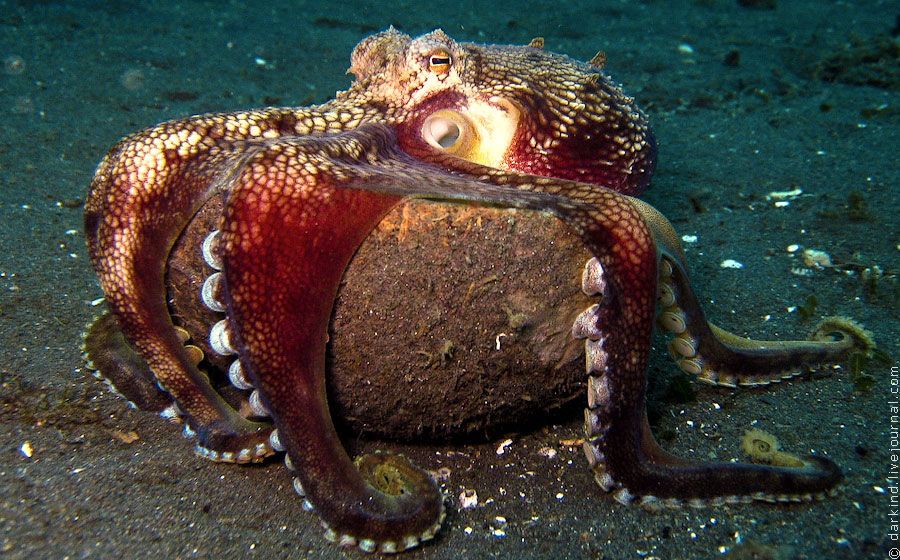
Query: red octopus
x=430 y=118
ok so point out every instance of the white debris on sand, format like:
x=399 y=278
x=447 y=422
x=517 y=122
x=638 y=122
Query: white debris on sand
x=730 y=263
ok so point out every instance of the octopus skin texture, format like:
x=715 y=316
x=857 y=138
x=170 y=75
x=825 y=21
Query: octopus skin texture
x=280 y=199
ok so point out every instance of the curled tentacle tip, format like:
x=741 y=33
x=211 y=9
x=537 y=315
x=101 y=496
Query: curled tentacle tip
x=785 y=459
x=393 y=475
x=846 y=329
x=409 y=488
x=813 y=474
x=763 y=447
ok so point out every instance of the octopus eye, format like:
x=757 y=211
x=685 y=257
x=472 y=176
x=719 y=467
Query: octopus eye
x=439 y=62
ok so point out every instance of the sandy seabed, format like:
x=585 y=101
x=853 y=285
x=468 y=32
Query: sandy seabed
x=744 y=102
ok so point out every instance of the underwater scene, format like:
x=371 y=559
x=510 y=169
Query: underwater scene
x=598 y=280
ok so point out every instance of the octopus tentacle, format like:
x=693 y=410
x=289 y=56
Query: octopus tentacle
x=620 y=447
x=630 y=464
x=280 y=288
x=110 y=355
x=719 y=357
x=144 y=193
x=632 y=243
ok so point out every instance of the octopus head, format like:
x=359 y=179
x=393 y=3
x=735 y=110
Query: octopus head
x=516 y=108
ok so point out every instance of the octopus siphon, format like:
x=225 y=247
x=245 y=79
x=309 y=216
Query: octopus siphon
x=284 y=197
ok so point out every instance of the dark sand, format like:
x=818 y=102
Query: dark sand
x=811 y=103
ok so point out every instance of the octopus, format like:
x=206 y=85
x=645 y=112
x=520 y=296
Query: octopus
x=297 y=190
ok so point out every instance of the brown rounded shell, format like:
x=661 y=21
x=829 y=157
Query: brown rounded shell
x=451 y=321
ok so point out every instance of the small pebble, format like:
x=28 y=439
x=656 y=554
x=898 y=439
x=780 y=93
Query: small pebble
x=468 y=499
x=442 y=474
x=501 y=449
x=13 y=65
x=547 y=452
x=132 y=79
x=781 y=195
x=816 y=259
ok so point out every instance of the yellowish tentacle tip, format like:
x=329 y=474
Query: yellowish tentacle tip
x=846 y=329
x=763 y=447
x=393 y=475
